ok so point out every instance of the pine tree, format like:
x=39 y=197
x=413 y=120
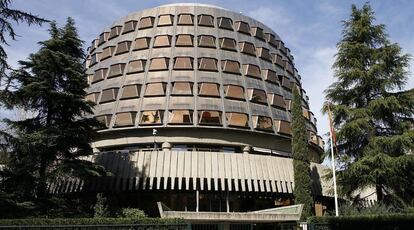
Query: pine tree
x=7 y=17
x=51 y=84
x=301 y=162
x=372 y=112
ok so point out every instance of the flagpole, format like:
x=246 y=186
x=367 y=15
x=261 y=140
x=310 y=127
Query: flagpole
x=333 y=161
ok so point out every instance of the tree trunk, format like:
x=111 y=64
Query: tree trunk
x=380 y=193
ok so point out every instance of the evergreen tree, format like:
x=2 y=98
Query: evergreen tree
x=52 y=142
x=301 y=162
x=7 y=17
x=372 y=112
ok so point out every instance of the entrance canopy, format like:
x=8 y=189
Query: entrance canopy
x=281 y=214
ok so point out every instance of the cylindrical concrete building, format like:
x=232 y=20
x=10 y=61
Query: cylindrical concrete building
x=196 y=102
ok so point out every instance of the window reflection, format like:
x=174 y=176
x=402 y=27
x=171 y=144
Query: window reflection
x=252 y=71
x=225 y=23
x=116 y=70
x=207 y=41
x=234 y=92
x=184 y=40
x=242 y=27
x=247 y=48
x=183 y=63
x=142 y=43
x=165 y=20
x=162 y=41
x=131 y=91
x=185 y=19
x=228 y=44
x=182 y=88
x=208 y=89
x=155 y=89
x=125 y=119
x=207 y=64
x=129 y=26
x=146 y=22
x=160 y=63
x=205 y=20
x=262 y=123
x=181 y=117
x=151 y=117
x=209 y=117
x=136 y=66
x=237 y=119
x=257 y=96
x=109 y=95
x=123 y=47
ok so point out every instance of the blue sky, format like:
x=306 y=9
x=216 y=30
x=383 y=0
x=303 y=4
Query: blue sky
x=310 y=29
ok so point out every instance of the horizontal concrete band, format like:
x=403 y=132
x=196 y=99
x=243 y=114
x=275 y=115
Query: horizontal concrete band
x=205 y=171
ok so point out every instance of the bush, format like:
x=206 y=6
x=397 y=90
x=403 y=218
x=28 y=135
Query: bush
x=367 y=222
x=88 y=221
x=101 y=208
x=133 y=213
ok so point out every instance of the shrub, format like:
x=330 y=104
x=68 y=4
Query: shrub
x=88 y=221
x=133 y=213
x=367 y=222
x=101 y=208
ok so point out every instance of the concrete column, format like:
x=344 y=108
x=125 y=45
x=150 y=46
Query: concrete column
x=166 y=146
x=197 y=200
x=247 y=149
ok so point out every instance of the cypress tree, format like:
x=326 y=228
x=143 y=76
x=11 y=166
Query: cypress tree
x=301 y=162
x=372 y=112
x=51 y=84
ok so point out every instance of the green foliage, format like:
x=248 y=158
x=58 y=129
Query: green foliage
x=375 y=209
x=372 y=113
x=88 y=221
x=51 y=143
x=101 y=207
x=368 y=222
x=133 y=213
x=8 y=17
x=301 y=163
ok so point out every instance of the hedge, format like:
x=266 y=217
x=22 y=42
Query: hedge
x=88 y=221
x=367 y=222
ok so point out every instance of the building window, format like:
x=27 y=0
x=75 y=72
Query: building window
x=257 y=96
x=207 y=41
x=183 y=63
x=277 y=59
x=147 y=22
x=305 y=113
x=180 y=117
x=123 y=47
x=131 y=91
x=237 y=119
x=228 y=44
x=208 y=90
x=105 y=120
x=229 y=66
x=184 y=40
x=125 y=119
x=158 y=64
x=109 y=95
x=282 y=47
x=270 y=76
x=136 y=66
x=205 y=20
x=165 y=20
x=234 y=92
x=162 y=41
x=116 y=70
x=262 y=123
x=115 y=32
x=271 y=39
x=185 y=20
x=152 y=117
x=94 y=44
x=99 y=75
x=258 y=33
x=247 y=48
x=207 y=64
x=283 y=127
x=107 y=52
x=288 y=104
x=277 y=101
x=285 y=82
x=182 y=89
x=92 y=97
x=313 y=138
x=252 y=71
x=129 y=26
x=225 y=23
x=155 y=89
x=242 y=27
x=288 y=66
x=94 y=59
x=263 y=53
x=209 y=117
x=142 y=43
x=103 y=38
